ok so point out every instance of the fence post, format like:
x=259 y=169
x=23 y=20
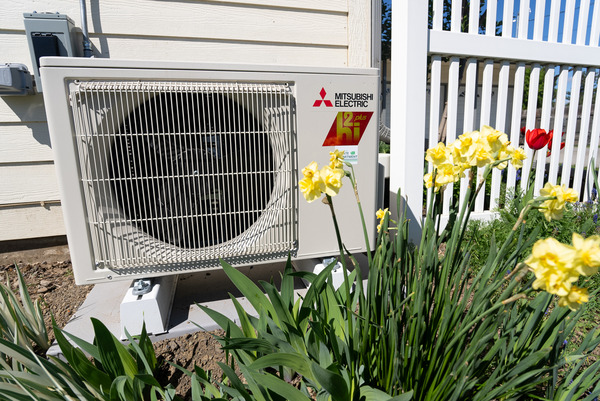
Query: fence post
x=408 y=101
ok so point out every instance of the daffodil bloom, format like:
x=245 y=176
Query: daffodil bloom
x=574 y=298
x=518 y=155
x=471 y=149
x=464 y=148
x=381 y=216
x=587 y=254
x=438 y=155
x=337 y=159
x=481 y=157
x=428 y=178
x=494 y=140
x=445 y=174
x=553 y=209
x=332 y=179
x=311 y=186
x=310 y=170
x=552 y=263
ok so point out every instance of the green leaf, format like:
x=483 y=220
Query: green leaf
x=275 y=385
x=140 y=356
x=287 y=284
x=223 y=321
x=122 y=389
x=235 y=380
x=332 y=382
x=254 y=295
x=88 y=348
x=250 y=344
x=297 y=362
x=372 y=394
x=114 y=356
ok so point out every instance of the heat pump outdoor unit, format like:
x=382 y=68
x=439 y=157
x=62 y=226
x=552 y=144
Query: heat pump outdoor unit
x=167 y=168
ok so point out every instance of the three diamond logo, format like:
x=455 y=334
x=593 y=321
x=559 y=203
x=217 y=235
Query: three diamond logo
x=324 y=101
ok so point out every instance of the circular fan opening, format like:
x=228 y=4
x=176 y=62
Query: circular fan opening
x=192 y=170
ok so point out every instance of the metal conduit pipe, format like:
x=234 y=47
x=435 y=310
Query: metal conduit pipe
x=87 y=46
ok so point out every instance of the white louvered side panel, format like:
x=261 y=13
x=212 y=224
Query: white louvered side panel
x=185 y=172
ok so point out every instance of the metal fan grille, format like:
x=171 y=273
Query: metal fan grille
x=176 y=172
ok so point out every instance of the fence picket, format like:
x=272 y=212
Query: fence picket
x=595 y=30
x=586 y=110
x=531 y=123
x=569 y=20
x=456 y=16
x=507 y=17
x=554 y=24
x=453 y=84
x=501 y=108
x=544 y=124
x=595 y=138
x=584 y=9
x=523 y=19
x=469 y=112
x=571 y=127
x=474 y=17
x=434 y=107
x=539 y=20
x=515 y=125
x=484 y=117
x=490 y=18
x=438 y=14
x=559 y=113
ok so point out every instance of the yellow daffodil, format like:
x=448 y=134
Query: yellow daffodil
x=381 y=216
x=332 y=179
x=337 y=159
x=552 y=263
x=574 y=298
x=471 y=149
x=310 y=170
x=438 y=155
x=481 y=157
x=518 y=155
x=557 y=267
x=553 y=209
x=493 y=140
x=587 y=254
x=311 y=186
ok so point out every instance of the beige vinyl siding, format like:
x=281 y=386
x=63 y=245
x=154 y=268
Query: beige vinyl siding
x=333 y=33
x=21 y=222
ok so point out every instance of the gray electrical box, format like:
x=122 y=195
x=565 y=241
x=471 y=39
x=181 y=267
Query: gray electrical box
x=15 y=80
x=48 y=34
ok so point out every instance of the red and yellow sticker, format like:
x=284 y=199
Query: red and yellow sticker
x=348 y=128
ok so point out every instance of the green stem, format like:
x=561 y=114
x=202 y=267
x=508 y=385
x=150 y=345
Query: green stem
x=362 y=216
x=349 y=308
x=342 y=256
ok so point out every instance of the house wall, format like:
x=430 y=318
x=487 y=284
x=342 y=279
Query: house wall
x=333 y=33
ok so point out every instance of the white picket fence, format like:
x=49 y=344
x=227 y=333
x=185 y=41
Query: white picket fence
x=462 y=75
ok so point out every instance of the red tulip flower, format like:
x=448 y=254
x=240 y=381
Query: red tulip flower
x=551 y=135
x=537 y=138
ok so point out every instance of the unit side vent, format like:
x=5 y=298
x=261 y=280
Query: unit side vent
x=176 y=172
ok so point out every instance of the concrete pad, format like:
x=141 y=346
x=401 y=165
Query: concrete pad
x=209 y=288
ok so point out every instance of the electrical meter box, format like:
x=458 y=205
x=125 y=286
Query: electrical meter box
x=49 y=34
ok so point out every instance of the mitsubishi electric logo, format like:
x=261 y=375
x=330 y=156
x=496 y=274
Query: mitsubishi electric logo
x=318 y=102
x=345 y=99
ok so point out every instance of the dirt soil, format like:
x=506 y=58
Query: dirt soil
x=49 y=277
